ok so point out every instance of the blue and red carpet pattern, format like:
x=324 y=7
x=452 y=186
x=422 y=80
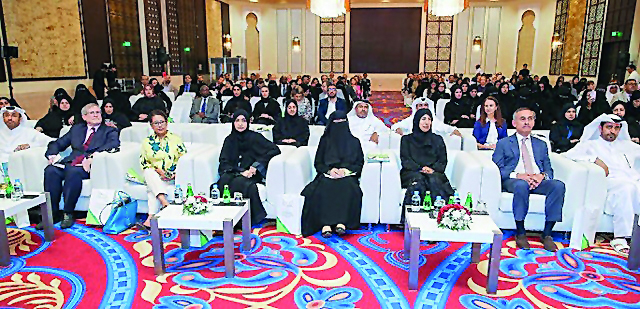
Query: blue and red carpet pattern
x=85 y=268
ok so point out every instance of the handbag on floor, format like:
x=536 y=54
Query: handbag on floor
x=123 y=214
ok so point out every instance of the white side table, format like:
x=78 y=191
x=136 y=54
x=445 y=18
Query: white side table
x=9 y=208
x=219 y=218
x=419 y=226
x=633 y=261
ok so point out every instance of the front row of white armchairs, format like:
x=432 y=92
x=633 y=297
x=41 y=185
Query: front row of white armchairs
x=288 y=173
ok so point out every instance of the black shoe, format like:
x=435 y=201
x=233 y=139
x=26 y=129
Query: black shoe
x=57 y=217
x=327 y=234
x=340 y=231
x=522 y=242
x=67 y=221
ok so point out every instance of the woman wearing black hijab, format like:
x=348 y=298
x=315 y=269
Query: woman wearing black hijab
x=157 y=89
x=250 y=92
x=334 y=197
x=423 y=155
x=112 y=117
x=456 y=112
x=81 y=98
x=120 y=100
x=292 y=129
x=244 y=160
x=59 y=115
x=143 y=106
x=474 y=101
x=236 y=103
x=506 y=100
x=620 y=108
x=440 y=94
x=633 y=106
x=566 y=133
x=267 y=110
x=544 y=97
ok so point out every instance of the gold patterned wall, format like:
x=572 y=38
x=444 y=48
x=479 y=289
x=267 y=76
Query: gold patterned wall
x=214 y=28
x=437 y=53
x=573 y=37
x=48 y=35
x=332 y=44
x=593 y=37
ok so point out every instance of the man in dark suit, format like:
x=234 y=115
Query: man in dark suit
x=525 y=168
x=205 y=108
x=85 y=139
x=187 y=86
x=330 y=104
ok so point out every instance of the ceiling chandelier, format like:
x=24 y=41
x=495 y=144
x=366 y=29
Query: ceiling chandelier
x=445 y=7
x=328 y=8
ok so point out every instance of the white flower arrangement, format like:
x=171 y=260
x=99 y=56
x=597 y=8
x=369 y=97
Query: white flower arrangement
x=454 y=217
x=195 y=205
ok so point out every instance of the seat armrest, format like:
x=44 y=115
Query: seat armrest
x=574 y=176
x=28 y=165
x=490 y=182
x=297 y=171
x=469 y=142
x=200 y=168
x=464 y=175
x=109 y=170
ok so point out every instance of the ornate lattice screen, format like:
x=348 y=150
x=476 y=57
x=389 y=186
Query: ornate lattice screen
x=594 y=26
x=124 y=27
x=154 y=34
x=332 y=44
x=559 y=27
x=437 y=52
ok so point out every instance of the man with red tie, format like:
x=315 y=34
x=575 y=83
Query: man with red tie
x=65 y=175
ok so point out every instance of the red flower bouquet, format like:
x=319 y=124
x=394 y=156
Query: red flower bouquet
x=454 y=217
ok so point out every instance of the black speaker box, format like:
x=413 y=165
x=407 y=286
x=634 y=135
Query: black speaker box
x=9 y=51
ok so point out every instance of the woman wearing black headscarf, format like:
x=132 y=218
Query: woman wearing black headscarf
x=544 y=97
x=250 y=92
x=440 y=94
x=120 y=100
x=456 y=112
x=633 y=106
x=234 y=104
x=59 y=115
x=143 y=106
x=592 y=106
x=566 y=133
x=244 y=160
x=334 y=197
x=112 y=117
x=81 y=98
x=506 y=100
x=158 y=90
x=292 y=129
x=620 y=108
x=474 y=101
x=267 y=110
x=423 y=155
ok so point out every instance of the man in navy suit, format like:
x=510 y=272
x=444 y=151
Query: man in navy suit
x=85 y=139
x=525 y=168
x=330 y=104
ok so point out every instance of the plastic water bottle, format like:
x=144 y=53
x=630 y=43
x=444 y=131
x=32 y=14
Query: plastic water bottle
x=415 y=201
x=439 y=203
x=18 y=192
x=177 y=195
x=215 y=193
x=456 y=198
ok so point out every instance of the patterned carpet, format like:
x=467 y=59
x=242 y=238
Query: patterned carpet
x=389 y=106
x=84 y=268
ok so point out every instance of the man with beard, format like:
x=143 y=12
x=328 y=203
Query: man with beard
x=330 y=104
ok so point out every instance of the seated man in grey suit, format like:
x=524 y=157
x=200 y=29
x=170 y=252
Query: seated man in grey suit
x=205 y=108
x=515 y=157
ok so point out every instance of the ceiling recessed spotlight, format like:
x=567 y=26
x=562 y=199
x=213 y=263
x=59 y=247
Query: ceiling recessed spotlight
x=386 y=1
x=253 y=0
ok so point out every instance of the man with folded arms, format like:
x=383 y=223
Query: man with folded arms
x=85 y=139
x=606 y=142
x=525 y=168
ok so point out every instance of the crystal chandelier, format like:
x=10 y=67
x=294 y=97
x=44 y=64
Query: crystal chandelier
x=446 y=7
x=328 y=8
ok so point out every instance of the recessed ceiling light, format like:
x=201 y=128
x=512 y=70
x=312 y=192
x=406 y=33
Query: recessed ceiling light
x=253 y=0
x=386 y=1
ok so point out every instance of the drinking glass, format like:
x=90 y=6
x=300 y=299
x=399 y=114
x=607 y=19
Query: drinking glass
x=237 y=197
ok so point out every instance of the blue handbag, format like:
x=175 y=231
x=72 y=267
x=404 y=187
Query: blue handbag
x=123 y=214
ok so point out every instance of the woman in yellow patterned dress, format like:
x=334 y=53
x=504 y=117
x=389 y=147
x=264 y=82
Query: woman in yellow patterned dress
x=159 y=158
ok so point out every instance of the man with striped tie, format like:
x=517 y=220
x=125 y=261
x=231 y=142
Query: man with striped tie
x=525 y=168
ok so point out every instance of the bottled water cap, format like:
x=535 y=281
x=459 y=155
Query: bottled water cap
x=416 y=192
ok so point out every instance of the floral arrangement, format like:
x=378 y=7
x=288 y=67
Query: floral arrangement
x=454 y=217
x=195 y=205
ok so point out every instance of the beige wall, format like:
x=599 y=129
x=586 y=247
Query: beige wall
x=214 y=28
x=49 y=38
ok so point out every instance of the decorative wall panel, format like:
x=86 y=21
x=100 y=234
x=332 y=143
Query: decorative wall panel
x=125 y=27
x=214 y=28
x=437 y=53
x=174 y=36
x=594 y=25
x=187 y=36
x=573 y=37
x=49 y=36
x=153 y=26
x=559 y=27
x=332 y=45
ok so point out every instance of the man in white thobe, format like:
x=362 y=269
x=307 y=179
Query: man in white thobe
x=606 y=142
x=365 y=126
x=406 y=126
x=16 y=135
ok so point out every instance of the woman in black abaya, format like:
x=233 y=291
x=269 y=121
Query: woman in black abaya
x=59 y=115
x=566 y=133
x=456 y=112
x=143 y=106
x=81 y=98
x=267 y=110
x=244 y=159
x=236 y=103
x=424 y=157
x=334 y=197
x=292 y=129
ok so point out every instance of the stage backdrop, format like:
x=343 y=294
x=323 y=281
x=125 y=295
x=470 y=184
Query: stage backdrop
x=385 y=40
